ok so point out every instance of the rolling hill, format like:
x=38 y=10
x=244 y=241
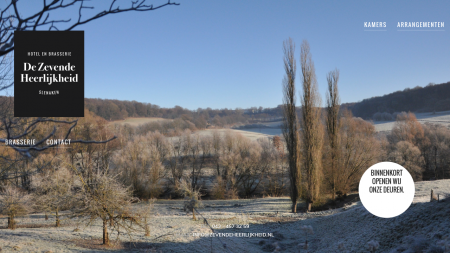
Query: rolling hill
x=432 y=98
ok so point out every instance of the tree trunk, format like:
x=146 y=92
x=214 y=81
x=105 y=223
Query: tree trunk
x=57 y=218
x=333 y=177
x=11 y=222
x=105 y=232
x=111 y=220
x=147 y=228
x=435 y=164
x=309 y=206
x=294 y=206
x=193 y=214
x=193 y=176
x=46 y=216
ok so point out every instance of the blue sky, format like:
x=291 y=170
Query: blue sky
x=228 y=54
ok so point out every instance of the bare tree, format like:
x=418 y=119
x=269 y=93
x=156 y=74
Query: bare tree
x=406 y=128
x=216 y=149
x=140 y=166
x=178 y=159
x=89 y=159
x=359 y=150
x=53 y=191
x=11 y=19
x=199 y=149
x=243 y=166
x=274 y=158
x=6 y=71
x=251 y=166
x=192 y=197
x=435 y=149
x=333 y=127
x=290 y=126
x=311 y=126
x=410 y=157
x=405 y=138
x=107 y=199
x=14 y=202
x=145 y=213
x=229 y=161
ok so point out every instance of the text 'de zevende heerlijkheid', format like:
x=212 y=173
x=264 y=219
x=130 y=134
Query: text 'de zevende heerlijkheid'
x=49 y=78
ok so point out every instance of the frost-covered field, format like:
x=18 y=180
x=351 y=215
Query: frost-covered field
x=442 y=118
x=423 y=226
x=255 y=133
x=138 y=121
x=263 y=131
x=249 y=134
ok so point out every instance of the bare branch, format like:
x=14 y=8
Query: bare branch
x=14 y=22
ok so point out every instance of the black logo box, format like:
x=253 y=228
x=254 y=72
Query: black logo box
x=39 y=99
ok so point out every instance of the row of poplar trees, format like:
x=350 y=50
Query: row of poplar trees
x=304 y=138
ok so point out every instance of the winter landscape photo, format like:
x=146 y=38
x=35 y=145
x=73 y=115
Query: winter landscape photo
x=224 y=126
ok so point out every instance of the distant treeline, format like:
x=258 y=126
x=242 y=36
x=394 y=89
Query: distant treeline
x=433 y=97
x=111 y=109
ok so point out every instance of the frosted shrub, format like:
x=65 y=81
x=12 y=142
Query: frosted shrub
x=53 y=191
x=373 y=245
x=219 y=188
x=145 y=215
x=191 y=196
x=13 y=203
x=107 y=199
x=140 y=164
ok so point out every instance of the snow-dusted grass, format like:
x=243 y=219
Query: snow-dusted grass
x=249 y=134
x=442 y=118
x=423 y=190
x=137 y=121
x=263 y=131
x=381 y=126
x=438 y=116
x=423 y=226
